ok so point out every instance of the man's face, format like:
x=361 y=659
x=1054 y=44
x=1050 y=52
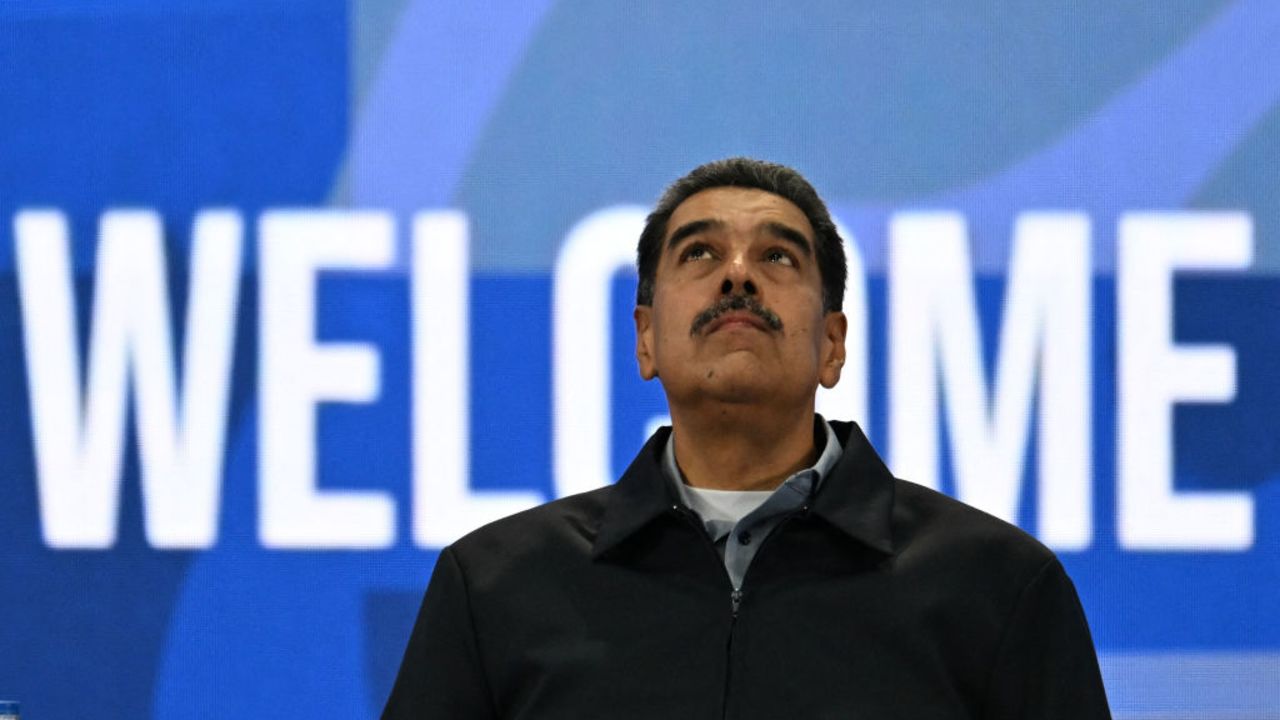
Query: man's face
x=737 y=313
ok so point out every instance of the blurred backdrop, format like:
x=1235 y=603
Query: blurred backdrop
x=292 y=294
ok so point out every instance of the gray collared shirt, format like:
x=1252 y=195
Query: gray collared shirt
x=737 y=542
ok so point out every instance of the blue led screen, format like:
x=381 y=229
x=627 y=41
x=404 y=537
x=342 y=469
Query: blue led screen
x=294 y=293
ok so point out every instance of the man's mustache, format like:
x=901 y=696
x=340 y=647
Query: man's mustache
x=730 y=303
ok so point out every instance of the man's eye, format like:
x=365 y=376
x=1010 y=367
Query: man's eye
x=780 y=257
x=696 y=252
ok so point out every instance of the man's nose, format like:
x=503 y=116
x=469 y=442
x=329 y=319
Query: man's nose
x=727 y=287
x=737 y=276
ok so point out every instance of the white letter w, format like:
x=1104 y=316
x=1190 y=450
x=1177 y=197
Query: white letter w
x=79 y=447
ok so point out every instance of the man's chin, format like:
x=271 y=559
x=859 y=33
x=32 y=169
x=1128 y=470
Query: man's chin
x=738 y=383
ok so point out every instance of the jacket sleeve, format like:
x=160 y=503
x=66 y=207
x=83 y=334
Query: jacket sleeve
x=441 y=675
x=1046 y=667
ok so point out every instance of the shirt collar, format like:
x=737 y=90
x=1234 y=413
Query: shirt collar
x=830 y=455
x=855 y=495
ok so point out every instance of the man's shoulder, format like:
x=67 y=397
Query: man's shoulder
x=924 y=527
x=930 y=526
x=562 y=528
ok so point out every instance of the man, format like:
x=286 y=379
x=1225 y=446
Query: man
x=754 y=561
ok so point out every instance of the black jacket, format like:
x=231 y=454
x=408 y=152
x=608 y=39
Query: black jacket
x=882 y=599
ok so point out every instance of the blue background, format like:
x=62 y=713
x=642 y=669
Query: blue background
x=530 y=116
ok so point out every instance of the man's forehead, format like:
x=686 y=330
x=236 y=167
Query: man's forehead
x=737 y=204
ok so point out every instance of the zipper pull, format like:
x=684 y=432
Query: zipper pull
x=735 y=599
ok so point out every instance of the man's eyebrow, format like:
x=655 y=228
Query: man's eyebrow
x=692 y=228
x=791 y=235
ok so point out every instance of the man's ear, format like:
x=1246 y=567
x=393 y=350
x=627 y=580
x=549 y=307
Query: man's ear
x=644 y=342
x=831 y=361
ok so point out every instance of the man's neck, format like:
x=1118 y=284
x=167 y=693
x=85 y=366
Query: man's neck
x=742 y=448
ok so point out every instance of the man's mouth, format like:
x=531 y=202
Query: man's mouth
x=735 y=319
x=735 y=310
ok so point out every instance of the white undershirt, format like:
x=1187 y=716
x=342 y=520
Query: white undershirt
x=724 y=505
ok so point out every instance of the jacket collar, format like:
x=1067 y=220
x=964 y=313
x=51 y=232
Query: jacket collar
x=639 y=496
x=857 y=497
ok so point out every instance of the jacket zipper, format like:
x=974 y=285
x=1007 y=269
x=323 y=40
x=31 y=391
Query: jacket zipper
x=735 y=596
x=735 y=602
